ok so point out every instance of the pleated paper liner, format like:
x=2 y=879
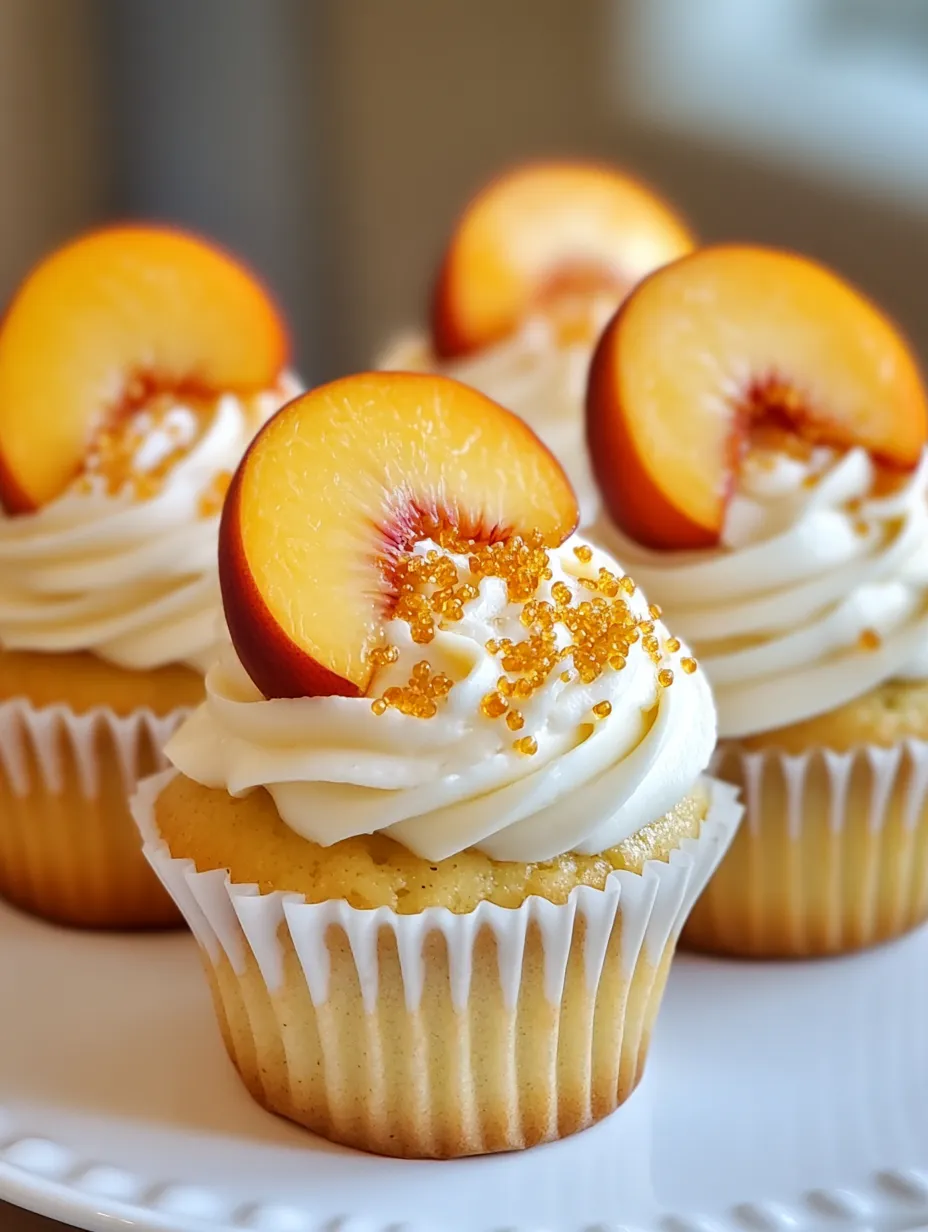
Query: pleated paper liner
x=832 y=856
x=438 y=1035
x=69 y=849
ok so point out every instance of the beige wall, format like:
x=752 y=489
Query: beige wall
x=423 y=99
x=53 y=166
x=414 y=104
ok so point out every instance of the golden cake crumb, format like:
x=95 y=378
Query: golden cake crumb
x=247 y=836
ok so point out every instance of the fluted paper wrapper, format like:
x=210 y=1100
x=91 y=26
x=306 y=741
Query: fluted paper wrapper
x=832 y=856
x=437 y=1035
x=69 y=849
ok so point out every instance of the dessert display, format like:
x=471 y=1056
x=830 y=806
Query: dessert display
x=440 y=820
x=536 y=264
x=136 y=363
x=758 y=433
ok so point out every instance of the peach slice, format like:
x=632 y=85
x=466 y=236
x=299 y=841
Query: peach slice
x=107 y=320
x=725 y=341
x=340 y=482
x=543 y=232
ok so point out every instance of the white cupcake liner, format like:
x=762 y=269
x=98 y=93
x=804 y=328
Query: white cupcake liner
x=68 y=847
x=39 y=744
x=832 y=856
x=235 y=919
x=440 y=1034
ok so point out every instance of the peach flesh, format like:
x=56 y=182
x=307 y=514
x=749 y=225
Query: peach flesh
x=336 y=486
x=666 y=432
x=542 y=229
x=146 y=308
x=303 y=676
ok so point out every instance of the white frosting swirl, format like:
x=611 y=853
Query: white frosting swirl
x=454 y=781
x=533 y=374
x=134 y=581
x=818 y=594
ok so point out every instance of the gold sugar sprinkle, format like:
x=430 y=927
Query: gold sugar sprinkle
x=213 y=497
x=601 y=628
x=420 y=696
x=869 y=640
x=527 y=745
x=382 y=656
x=112 y=454
x=672 y=644
x=493 y=705
x=689 y=665
x=583 y=553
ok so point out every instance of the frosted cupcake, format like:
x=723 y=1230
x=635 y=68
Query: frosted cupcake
x=535 y=267
x=759 y=431
x=135 y=366
x=442 y=815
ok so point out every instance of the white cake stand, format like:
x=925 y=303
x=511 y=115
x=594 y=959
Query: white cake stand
x=778 y=1098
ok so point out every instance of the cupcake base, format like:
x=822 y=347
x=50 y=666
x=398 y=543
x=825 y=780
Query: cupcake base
x=437 y=1082
x=435 y=1034
x=832 y=856
x=69 y=850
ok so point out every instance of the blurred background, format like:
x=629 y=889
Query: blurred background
x=332 y=142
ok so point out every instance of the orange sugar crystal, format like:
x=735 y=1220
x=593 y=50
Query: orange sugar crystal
x=420 y=696
x=213 y=497
x=603 y=630
x=869 y=640
x=114 y=453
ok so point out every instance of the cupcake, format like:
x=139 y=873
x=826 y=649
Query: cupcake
x=759 y=434
x=135 y=366
x=441 y=817
x=535 y=267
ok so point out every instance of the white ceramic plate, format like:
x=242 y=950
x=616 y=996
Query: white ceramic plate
x=778 y=1098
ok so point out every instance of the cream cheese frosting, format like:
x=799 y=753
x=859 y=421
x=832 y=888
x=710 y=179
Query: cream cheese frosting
x=817 y=594
x=132 y=580
x=537 y=376
x=337 y=768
